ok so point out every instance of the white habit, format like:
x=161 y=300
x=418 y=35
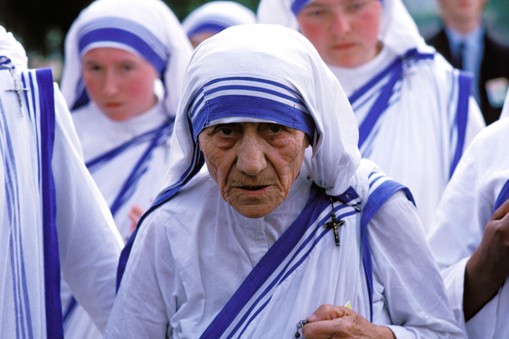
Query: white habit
x=467 y=205
x=193 y=250
x=53 y=218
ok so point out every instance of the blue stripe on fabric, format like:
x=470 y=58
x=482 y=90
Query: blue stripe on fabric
x=125 y=37
x=31 y=101
x=164 y=196
x=208 y=27
x=71 y=306
x=97 y=162
x=5 y=62
x=502 y=196
x=465 y=88
x=140 y=168
x=376 y=199
x=279 y=89
x=395 y=69
x=297 y=6
x=52 y=277
x=16 y=252
x=250 y=98
x=272 y=261
x=81 y=96
x=267 y=265
x=252 y=107
x=287 y=270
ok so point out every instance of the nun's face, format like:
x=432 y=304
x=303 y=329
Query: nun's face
x=120 y=83
x=345 y=32
x=254 y=164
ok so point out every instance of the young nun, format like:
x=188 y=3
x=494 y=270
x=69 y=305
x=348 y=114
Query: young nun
x=212 y=17
x=122 y=77
x=123 y=73
x=286 y=231
x=53 y=219
x=415 y=112
x=469 y=240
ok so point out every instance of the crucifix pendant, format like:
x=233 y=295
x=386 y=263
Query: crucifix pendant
x=18 y=89
x=335 y=224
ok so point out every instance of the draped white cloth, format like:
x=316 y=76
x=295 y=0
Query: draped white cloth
x=88 y=241
x=193 y=251
x=467 y=205
x=217 y=15
x=149 y=29
x=417 y=136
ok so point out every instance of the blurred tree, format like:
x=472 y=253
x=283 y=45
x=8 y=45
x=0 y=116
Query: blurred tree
x=41 y=25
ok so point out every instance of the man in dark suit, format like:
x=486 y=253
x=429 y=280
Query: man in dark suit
x=465 y=42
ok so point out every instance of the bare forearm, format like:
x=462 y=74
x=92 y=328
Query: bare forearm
x=480 y=287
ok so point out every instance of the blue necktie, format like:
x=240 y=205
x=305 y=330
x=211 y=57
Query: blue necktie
x=457 y=61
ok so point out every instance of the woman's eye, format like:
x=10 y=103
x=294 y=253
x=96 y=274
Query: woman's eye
x=91 y=68
x=273 y=128
x=225 y=130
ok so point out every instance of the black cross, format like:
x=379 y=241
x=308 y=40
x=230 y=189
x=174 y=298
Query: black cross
x=335 y=224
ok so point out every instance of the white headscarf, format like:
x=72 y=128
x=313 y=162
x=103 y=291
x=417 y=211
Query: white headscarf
x=277 y=76
x=13 y=49
x=147 y=28
x=398 y=29
x=216 y=16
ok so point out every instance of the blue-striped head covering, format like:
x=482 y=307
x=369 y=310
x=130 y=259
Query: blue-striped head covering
x=265 y=73
x=297 y=5
x=124 y=34
x=249 y=98
x=217 y=15
x=147 y=28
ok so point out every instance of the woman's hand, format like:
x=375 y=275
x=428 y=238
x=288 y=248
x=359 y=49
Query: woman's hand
x=330 y=321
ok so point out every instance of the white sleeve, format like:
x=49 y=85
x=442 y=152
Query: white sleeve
x=408 y=283
x=89 y=242
x=141 y=309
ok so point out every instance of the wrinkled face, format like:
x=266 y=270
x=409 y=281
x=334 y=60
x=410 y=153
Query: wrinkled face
x=460 y=10
x=345 y=32
x=254 y=164
x=119 y=82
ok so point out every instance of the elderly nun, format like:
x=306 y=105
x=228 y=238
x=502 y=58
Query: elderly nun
x=286 y=231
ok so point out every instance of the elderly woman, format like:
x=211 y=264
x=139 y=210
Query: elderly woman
x=286 y=231
x=415 y=112
x=124 y=67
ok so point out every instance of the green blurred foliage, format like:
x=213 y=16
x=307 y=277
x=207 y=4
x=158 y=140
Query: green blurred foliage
x=40 y=25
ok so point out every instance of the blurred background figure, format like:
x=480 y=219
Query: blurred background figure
x=123 y=70
x=465 y=41
x=53 y=219
x=469 y=239
x=212 y=17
